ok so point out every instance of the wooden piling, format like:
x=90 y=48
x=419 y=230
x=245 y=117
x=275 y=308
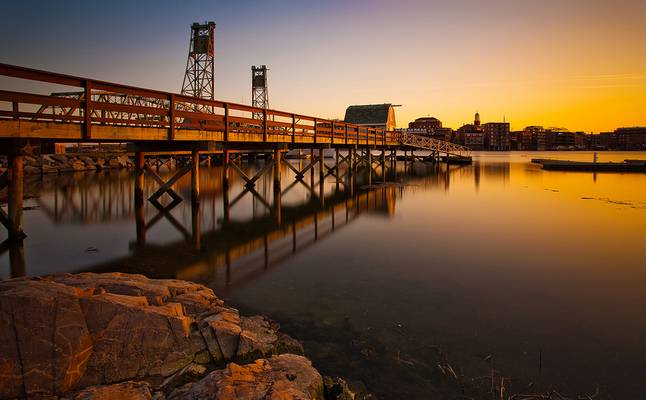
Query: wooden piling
x=140 y=214
x=15 y=196
x=195 y=176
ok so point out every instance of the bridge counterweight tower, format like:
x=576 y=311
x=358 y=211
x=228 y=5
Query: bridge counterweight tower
x=199 y=79
x=259 y=93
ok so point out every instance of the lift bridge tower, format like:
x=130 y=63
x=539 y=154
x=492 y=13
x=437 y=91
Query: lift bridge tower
x=259 y=93
x=199 y=78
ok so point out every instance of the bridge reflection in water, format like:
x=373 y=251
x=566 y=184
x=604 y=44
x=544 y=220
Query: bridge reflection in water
x=234 y=232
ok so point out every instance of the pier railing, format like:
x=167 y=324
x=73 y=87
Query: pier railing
x=100 y=103
x=428 y=143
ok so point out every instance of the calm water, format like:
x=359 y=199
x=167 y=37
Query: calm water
x=537 y=276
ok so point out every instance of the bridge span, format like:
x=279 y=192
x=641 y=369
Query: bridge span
x=153 y=121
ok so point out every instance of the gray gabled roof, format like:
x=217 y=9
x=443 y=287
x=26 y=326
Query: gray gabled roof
x=370 y=114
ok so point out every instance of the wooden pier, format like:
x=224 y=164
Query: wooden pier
x=152 y=121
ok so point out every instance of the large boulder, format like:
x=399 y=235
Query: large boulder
x=285 y=376
x=70 y=331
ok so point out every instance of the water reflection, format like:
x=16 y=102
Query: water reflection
x=499 y=258
x=231 y=232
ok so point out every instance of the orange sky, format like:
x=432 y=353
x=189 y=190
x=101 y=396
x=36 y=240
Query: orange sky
x=569 y=63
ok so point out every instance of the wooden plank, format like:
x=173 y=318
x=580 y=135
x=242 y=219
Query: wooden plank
x=10 y=96
x=37 y=75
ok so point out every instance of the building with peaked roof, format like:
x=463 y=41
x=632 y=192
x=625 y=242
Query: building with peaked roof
x=373 y=115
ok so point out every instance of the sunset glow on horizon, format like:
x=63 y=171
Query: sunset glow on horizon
x=575 y=64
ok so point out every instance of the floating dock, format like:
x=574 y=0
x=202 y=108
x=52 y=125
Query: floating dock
x=565 y=165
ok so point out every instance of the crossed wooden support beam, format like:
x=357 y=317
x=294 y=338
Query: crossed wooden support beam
x=251 y=181
x=300 y=174
x=167 y=186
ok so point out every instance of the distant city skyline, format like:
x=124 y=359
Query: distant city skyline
x=574 y=64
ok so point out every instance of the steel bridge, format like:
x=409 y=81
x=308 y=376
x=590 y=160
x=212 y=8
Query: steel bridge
x=153 y=121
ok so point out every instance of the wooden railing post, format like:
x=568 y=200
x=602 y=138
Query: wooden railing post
x=226 y=122
x=264 y=125
x=293 y=128
x=346 y=134
x=87 y=109
x=315 y=129
x=171 y=118
x=332 y=131
x=15 y=110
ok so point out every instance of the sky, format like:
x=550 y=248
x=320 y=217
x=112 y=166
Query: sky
x=568 y=63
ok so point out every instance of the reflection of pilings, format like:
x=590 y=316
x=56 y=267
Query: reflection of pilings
x=13 y=180
x=277 y=186
x=196 y=232
x=140 y=214
x=16 y=256
x=17 y=259
x=195 y=201
x=225 y=186
x=238 y=241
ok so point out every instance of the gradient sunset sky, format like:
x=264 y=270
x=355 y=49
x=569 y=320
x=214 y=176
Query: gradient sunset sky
x=571 y=63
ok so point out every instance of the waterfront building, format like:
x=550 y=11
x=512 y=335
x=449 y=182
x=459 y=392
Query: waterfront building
x=427 y=123
x=515 y=140
x=581 y=141
x=432 y=127
x=472 y=135
x=372 y=115
x=498 y=135
x=534 y=138
x=631 y=138
x=561 y=140
x=603 y=141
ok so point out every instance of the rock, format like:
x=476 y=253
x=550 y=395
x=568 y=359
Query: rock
x=337 y=389
x=44 y=342
x=126 y=391
x=31 y=170
x=100 y=163
x=61 y=158
x=49 y=169
x=257 y=339
x=31 y=160
x=66 y=332
x=47 y=158
x=221 y=331
x=124 y=161
x=286 y=376
x=114 y=163
x=287 y=344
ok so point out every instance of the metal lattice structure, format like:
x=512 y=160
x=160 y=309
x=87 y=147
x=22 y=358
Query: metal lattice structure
x=199 y=79
x=428 y=143
x=116 y=115
x=259 y=93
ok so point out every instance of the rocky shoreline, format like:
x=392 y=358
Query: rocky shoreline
x=124 y=336
x=62 y=163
